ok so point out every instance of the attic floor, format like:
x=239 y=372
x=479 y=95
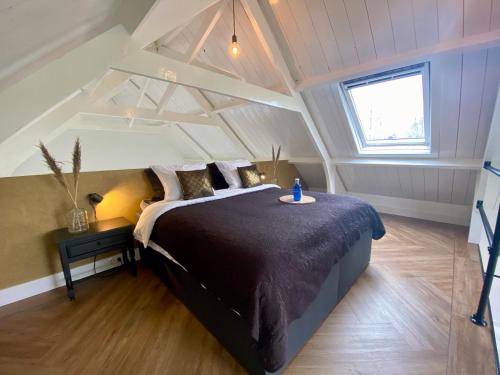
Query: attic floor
x=407 y=314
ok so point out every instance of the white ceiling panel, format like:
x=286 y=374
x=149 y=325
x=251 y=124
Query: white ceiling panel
x=213 y=140
x=264 y=126
x=30 y=30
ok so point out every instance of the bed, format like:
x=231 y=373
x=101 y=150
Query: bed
x=260 y=275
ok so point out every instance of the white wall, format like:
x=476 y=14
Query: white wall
x=106 y=150
x=488 y=190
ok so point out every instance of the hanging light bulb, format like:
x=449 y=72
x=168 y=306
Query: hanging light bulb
x=234 y=47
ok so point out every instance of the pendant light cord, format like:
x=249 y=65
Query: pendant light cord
x=234 y=21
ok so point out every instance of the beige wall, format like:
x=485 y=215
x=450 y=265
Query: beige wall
x=33 y=206
x=286 y=173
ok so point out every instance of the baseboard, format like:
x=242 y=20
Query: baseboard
x=427 y=210
x=56 y=280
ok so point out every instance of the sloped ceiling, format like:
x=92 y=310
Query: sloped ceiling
x=253 y=65
x=318 y=37
x=327 y=35
x=32 y=30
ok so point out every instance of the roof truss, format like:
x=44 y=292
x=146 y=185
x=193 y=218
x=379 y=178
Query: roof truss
x=152 y=65
x=468 y=43
x=125 y=54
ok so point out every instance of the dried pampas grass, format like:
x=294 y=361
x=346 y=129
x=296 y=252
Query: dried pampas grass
x=55 y=167
x=77 y=164
x=276 y=159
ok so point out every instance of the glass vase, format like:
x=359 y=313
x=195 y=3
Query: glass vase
x=78 y=220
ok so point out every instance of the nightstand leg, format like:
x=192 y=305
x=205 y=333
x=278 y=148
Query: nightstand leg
x=69 y=281
x=125 y=256
x=131 y=250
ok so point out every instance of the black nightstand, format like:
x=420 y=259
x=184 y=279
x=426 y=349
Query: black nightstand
x=102 y=236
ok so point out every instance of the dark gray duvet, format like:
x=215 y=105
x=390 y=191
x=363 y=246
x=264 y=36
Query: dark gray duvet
x=265 y=259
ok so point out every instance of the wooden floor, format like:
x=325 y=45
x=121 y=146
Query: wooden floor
x=407 y=314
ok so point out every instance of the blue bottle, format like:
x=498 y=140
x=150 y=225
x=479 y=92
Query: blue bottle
x=297 y=190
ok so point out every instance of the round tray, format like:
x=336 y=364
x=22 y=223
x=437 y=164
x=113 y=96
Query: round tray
x=289 y=199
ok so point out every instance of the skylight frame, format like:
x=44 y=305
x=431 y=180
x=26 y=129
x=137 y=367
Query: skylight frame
x=397 y=146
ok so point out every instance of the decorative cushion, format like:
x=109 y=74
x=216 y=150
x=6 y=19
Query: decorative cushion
x=230 y=173
x=218 y=181
x=195 y=184
x=158 y=191
x=249 y=176
x=169 y=180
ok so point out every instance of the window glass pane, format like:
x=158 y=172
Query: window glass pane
x=391 y=111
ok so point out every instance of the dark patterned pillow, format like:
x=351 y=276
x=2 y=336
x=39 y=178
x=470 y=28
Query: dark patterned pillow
x=195 y=184
x=158 y=192
x=249 y=176
x=218 y=180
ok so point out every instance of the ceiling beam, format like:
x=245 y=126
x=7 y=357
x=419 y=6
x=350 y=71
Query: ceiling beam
x=186 y=137
x=163 y=129
x=159 y=67
x=22 y=145
x=473 y=42
x=73 y=71
x=164 y=16
x=140 y=98
x=146 y=95
x=206 y=27
x=273 y=51
x=230 y=104
x=453 y=164
x=165 y=98
x=207 y=106
x=119 y=128
x=146 y=114
x=47 y=115
x=110 y=86
x=179 y=56
x=456 y=164
x=165 y=40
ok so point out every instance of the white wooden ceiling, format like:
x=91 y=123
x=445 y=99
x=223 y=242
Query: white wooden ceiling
x=325 y=35
x=317 y=37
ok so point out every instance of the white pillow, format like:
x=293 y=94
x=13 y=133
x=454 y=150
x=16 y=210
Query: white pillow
x=230 y=172
x=169 y=180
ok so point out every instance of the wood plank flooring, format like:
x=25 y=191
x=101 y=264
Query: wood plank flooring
x=407 y=314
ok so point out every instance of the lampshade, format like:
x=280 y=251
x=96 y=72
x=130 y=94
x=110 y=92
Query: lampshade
x=95 y=198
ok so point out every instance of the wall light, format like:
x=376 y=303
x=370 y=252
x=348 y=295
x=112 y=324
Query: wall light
x=94 y=200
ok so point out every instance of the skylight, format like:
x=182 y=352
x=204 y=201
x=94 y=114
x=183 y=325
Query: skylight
x=389 y=111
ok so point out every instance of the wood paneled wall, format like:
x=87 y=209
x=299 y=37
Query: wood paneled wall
x=463 y=91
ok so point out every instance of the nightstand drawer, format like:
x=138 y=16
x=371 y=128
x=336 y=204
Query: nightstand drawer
x=87 y=247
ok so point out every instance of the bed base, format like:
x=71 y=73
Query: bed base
x=231 y=330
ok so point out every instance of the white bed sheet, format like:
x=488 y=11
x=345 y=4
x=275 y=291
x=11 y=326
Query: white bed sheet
x=165 y=253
